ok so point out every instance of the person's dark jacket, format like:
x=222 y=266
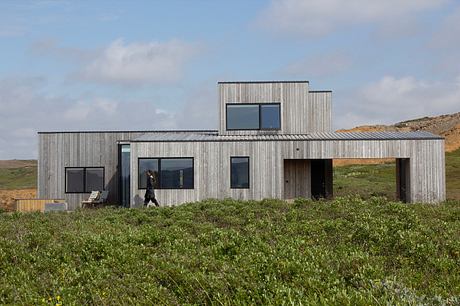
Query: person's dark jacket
x=150 y=184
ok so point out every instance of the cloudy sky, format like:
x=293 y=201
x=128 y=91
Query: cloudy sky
x=143 y=65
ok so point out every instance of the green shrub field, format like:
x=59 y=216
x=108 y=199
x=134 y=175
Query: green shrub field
x=347 y=251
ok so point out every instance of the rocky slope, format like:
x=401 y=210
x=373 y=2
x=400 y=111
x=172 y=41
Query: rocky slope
x=447 y=126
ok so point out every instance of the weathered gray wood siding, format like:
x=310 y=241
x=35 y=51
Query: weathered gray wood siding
x=301 y=111
x=60 y=150
x=212 y=165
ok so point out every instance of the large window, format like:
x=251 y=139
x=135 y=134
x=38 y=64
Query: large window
x=239 y=172
x=262 y=116
x=84 y=179
x=170 y=173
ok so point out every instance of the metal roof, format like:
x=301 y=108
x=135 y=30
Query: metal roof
x=213 y=136
x=261 y=82
x=125 y=131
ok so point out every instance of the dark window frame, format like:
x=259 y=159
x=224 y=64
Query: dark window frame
x=159 y=173
x=260 y=116
x=249 y=172
x=84 y=179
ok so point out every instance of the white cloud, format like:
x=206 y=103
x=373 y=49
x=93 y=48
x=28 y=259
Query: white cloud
x=138 y=63
x=319 y=66
x=319 y=17
x=25 y=110
x=121 y=63
x=392 y=99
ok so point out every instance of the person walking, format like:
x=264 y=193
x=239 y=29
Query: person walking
x=150 y=192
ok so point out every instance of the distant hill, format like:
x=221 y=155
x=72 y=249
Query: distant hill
x=18 y=179
x=447 y=126
x=16 y=163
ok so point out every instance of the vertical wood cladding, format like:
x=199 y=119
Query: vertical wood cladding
x=212 y=164
x=73 y=149
x=267 y=161
x=301 y=111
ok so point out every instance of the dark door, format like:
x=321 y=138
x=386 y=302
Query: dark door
x=403 y=179
x=321 y=178
x=296 y=178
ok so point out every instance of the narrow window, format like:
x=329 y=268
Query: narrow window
x=125 y=173
x=239 y=172
x=170 y=173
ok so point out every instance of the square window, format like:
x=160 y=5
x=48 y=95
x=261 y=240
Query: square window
x=75 y=180
x=270 y=117
x=94 y=179
x=177 y=173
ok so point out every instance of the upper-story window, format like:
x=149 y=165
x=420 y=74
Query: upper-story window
x=261 y=116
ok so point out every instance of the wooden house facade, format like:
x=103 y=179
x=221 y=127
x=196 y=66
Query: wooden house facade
x=274 y=140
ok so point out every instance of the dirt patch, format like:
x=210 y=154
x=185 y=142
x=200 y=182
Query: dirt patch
x=7 y=197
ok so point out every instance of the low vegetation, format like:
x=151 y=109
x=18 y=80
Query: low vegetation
x=347 y=251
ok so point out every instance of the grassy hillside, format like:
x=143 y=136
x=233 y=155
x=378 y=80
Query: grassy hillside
x=366 y=180
x=16 y=174
x=453 y=174
x=380 y=179
x=347 y=251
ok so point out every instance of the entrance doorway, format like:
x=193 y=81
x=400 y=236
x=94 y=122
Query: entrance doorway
x=403 y=179
x=296 y=178
x=307 y=178
x=321 y=178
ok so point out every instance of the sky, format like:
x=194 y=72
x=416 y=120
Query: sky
x=154 y=65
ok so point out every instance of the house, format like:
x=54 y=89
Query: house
x=274 y=140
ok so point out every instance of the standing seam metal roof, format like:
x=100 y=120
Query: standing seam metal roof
x=213 y=136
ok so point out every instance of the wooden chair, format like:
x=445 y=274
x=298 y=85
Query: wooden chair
x=103 y=198
x=96 y=197
x=93 y=197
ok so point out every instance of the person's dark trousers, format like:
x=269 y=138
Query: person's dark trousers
x=150 y=196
